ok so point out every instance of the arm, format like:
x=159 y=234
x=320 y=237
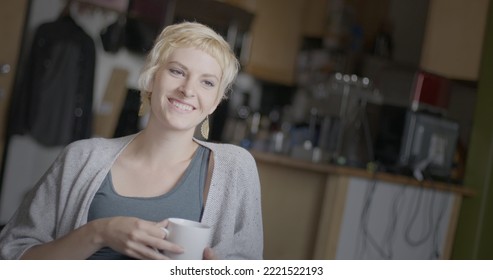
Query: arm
x=248 y=237
x=130 y=236
x=79 y=244
x=44 y=226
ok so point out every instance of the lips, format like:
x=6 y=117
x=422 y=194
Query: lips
x=181 y=105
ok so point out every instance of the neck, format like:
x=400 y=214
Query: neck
x=160 y=147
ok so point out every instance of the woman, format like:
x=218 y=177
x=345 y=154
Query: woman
x=109 y=198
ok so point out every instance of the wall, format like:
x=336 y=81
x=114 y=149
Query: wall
x=473 y=240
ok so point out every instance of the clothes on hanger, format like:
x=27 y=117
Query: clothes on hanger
x=54 y=102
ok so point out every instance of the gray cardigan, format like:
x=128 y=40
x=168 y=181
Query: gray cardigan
x=60 y=201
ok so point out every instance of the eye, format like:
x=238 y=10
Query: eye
x=209 y=83
x=176 y=72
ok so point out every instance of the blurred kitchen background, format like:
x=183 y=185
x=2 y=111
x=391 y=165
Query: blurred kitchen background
x=393 y=87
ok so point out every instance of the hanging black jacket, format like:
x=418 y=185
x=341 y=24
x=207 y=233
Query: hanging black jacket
x=54 y=103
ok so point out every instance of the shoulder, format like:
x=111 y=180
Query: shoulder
x=231 y=161
x=95 y=146
x=229 y=152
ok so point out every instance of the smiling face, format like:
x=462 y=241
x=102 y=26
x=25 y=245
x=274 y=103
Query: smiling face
x=185 y=89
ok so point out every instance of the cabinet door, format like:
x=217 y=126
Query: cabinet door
x=454 y=38
x=315 y=18
x=389 y=221
x=276 y=38
x=12 y=18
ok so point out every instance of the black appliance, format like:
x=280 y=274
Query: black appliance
x=388 y=139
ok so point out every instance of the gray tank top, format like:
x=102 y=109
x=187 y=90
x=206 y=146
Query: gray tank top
x=185 y=200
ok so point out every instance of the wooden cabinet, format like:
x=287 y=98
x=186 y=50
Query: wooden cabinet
x=315 y=18
x=453 y=38
x=275 y=39
x=322 y=211
x=12 y=18
x=279 y=27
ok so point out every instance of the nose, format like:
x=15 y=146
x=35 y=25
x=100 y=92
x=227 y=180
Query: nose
x=186 y=88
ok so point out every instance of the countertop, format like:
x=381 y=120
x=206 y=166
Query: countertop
x=283 y=160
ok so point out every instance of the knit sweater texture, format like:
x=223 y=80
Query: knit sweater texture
x=60 y=200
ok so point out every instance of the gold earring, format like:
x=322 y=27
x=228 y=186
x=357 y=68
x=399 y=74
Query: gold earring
x=141 y=109
x=145 y=98
x=204 y=128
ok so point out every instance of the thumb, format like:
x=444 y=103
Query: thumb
x=209 y=254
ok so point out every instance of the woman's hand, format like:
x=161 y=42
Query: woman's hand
x=209 y=254
x=135 y=237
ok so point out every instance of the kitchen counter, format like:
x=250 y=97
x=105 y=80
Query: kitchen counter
x=358 y=172
x=320 y=211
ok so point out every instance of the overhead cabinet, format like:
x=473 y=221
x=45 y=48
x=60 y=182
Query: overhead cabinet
x=453 y=39
x=275 y=39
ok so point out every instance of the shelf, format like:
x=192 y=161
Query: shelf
x=357 y=172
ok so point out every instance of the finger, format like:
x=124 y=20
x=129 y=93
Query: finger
x=147 y=253
x=157 y=231
x=151 y=237
x=158 y=242
x=163 y=223
x=166 y=245
x=154 y=254
x=165 y=231
x=161 y=233
x=209 y=254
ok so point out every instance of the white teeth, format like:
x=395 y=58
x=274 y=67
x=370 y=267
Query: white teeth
x=182 y=106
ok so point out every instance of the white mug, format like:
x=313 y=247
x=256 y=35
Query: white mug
x=192 y=236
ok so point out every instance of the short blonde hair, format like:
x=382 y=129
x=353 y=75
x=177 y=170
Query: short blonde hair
x=190 y=34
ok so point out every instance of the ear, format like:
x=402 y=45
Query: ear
x=150 y=85
x=150 y=82
x=216 y=103
x=213 y=108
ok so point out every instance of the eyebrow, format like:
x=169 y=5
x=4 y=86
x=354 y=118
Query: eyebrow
x=186 y=68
